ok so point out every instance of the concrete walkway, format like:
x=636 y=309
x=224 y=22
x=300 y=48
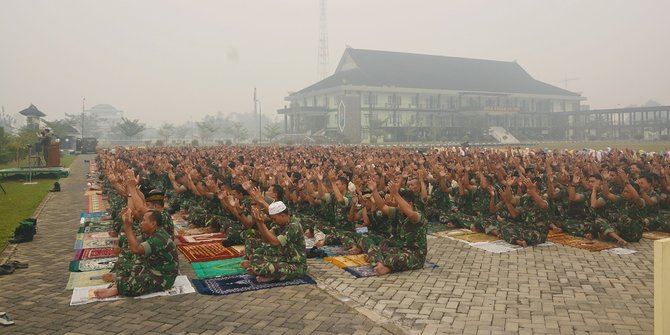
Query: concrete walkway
x=548 y=290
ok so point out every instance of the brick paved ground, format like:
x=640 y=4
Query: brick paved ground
x=551 y=290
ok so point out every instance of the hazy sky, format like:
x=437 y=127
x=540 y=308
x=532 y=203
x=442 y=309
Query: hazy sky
x=176 y=61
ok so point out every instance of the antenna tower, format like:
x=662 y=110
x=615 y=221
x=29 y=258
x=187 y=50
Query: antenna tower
x=322 y=71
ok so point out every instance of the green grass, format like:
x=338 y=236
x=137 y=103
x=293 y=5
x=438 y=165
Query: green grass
x=21 y=201
x=649 y=146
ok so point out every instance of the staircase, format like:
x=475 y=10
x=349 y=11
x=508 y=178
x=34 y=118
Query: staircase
x=502 y=135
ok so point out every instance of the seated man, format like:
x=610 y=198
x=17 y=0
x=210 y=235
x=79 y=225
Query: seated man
x=157 y=265
x=282 y=256
x=406 y=246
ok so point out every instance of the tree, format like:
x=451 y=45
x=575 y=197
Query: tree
x=272 y=130
x=128 y=128
x=165 y=131
x=238 y=132
x=7 y=121
x=207 y=130
x=60 y=128
x=90 y=123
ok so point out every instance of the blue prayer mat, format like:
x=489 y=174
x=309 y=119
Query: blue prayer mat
x=242 y=283
x=368 y=271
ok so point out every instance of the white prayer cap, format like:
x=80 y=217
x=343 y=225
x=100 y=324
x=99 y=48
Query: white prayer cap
x=276 y=207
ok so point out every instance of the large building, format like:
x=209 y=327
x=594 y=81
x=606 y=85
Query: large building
x=392 y=96
x=107 y=116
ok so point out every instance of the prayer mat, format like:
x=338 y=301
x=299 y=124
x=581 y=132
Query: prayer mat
x=95 y=253
x=90 y=193
x=348 y=260
x=192 y=231
x=203 y=252
x=242 y=283
x=437 y=227
x=90 y=278
x=94 y=217
x=369 y=271
x=220 y=268
x=620 y=251
x=212 y=237
x=84 y=295
x=334 y=250
x=239 y=248
x=655 y=235
x=496 y=247
x=94 y=203
x=577 y=242
x=85 y=265
x=93 y=235
x=453 y=232
x=95 y=243
x=476 y=237
x=94 y=229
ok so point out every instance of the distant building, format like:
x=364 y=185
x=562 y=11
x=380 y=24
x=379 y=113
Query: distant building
x=32 y=115
x=394 y=96
x=107 y=116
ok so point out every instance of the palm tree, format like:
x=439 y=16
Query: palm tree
x=128 y=128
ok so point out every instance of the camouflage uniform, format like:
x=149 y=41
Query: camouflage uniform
x=154 y=271
x=579 y=219
x=406 y=248
x=440 y=208
x=616 y=219
x=379 y=229
x=284 y=262
x=530 y=225
x=468 y=207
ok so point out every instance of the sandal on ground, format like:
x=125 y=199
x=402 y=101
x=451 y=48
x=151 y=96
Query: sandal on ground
x=6 y=269
x=6 y=320
x=17 y=264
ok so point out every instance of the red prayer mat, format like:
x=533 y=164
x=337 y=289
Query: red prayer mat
x=213 y=237
x=94 y=253
x=204 y=252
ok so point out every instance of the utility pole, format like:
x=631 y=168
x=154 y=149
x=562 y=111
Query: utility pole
x=323 y=60
x=83 y=103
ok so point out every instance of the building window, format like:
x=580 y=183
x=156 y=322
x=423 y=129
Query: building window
x=325 y=102
x=394 y=100
x=369 y=99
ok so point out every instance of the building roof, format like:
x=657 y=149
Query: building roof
x=32 y=111
x=407 y=70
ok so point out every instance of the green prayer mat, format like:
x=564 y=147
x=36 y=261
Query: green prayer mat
x=218 y=268
x=83 y=279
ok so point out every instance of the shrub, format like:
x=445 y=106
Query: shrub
x=194 y=143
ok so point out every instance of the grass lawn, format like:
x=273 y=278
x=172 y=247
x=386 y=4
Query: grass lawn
x=21 y=201
x=650 y=146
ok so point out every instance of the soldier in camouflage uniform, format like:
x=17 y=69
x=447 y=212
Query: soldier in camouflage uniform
x=156 y=266
x=282 y=256
x=579 y=218
x=526 y=222
x=613 y=209
x=406 y=247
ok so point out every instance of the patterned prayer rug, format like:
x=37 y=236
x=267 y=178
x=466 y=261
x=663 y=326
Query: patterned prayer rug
x=192 y=231
x=219 y=268
x=578 y=242
x=90 y=278
x=94 y=203
x=85 y=295
x=242 y=283
x=203 y=252
x=92 y=264
x=453 y=232
x=94 y=253
x=212 y=237
x=655 y=235
x=348 y=260
x=476 y=237
x=368 y=271
x=437 y=227
x=334 y=250
x=95 y=243
x=94 y=229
